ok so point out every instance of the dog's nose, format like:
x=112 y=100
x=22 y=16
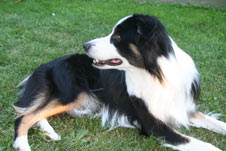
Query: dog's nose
x=86 y=46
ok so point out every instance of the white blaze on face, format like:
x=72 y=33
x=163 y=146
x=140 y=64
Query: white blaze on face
x=103 y=49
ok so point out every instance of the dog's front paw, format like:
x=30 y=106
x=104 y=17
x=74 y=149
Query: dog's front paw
x=54 y=136
x=193 y=145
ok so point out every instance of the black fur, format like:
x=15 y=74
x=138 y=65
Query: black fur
x=62 y=78
x=16 y=124
x=152 y=126
x=195 y=89
x=149 y=35
x=65 y=78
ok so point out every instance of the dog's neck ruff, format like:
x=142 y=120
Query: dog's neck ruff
x=168 y=100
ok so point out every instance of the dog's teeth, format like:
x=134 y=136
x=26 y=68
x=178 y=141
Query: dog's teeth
x=96 y=60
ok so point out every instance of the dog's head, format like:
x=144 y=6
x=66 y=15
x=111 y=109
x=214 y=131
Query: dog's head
x=135 y=41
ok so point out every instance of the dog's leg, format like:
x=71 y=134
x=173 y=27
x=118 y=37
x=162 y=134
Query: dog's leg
x=20 y=141
x=193 y=144
x=199 y=119
x=29 y=118
x=150 y=125
x=178 y=141
x=48 y=129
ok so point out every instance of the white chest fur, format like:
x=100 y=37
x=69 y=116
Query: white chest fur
x=171 y=100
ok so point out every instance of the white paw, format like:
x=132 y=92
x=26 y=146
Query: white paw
x=193 y=145
x=194 y=148
x=54 y=136
x=21 y=144
x=188 y=147
x=210 y=147
x=49 y=131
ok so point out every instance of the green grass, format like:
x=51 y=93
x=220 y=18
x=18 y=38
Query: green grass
x=30 y=36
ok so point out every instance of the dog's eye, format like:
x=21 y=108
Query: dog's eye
x=116 y=37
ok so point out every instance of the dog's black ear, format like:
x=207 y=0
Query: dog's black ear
x=146 y=26
x=154 y=42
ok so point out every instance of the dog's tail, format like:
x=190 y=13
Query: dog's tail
x=21 y=86
x=29 y=93
x=22 y=83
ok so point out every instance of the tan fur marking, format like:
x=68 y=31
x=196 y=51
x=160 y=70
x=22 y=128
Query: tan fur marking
x=53 y=108
x=197 y=115
x=26 y=123
x=137 y=53
x=159 y=75
x=134 y=49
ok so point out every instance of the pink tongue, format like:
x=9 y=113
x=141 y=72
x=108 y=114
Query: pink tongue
x=115 y=60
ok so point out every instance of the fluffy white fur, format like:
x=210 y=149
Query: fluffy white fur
x=116 y=120
x=90 y=108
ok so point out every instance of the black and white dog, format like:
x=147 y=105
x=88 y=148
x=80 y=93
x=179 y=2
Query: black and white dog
x=148 y=82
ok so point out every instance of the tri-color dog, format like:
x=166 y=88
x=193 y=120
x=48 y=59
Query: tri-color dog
x=148 y=83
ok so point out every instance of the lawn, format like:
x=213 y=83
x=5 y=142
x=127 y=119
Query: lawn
x=33 y=32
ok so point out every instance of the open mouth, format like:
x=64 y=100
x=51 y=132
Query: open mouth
x=110 y=62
